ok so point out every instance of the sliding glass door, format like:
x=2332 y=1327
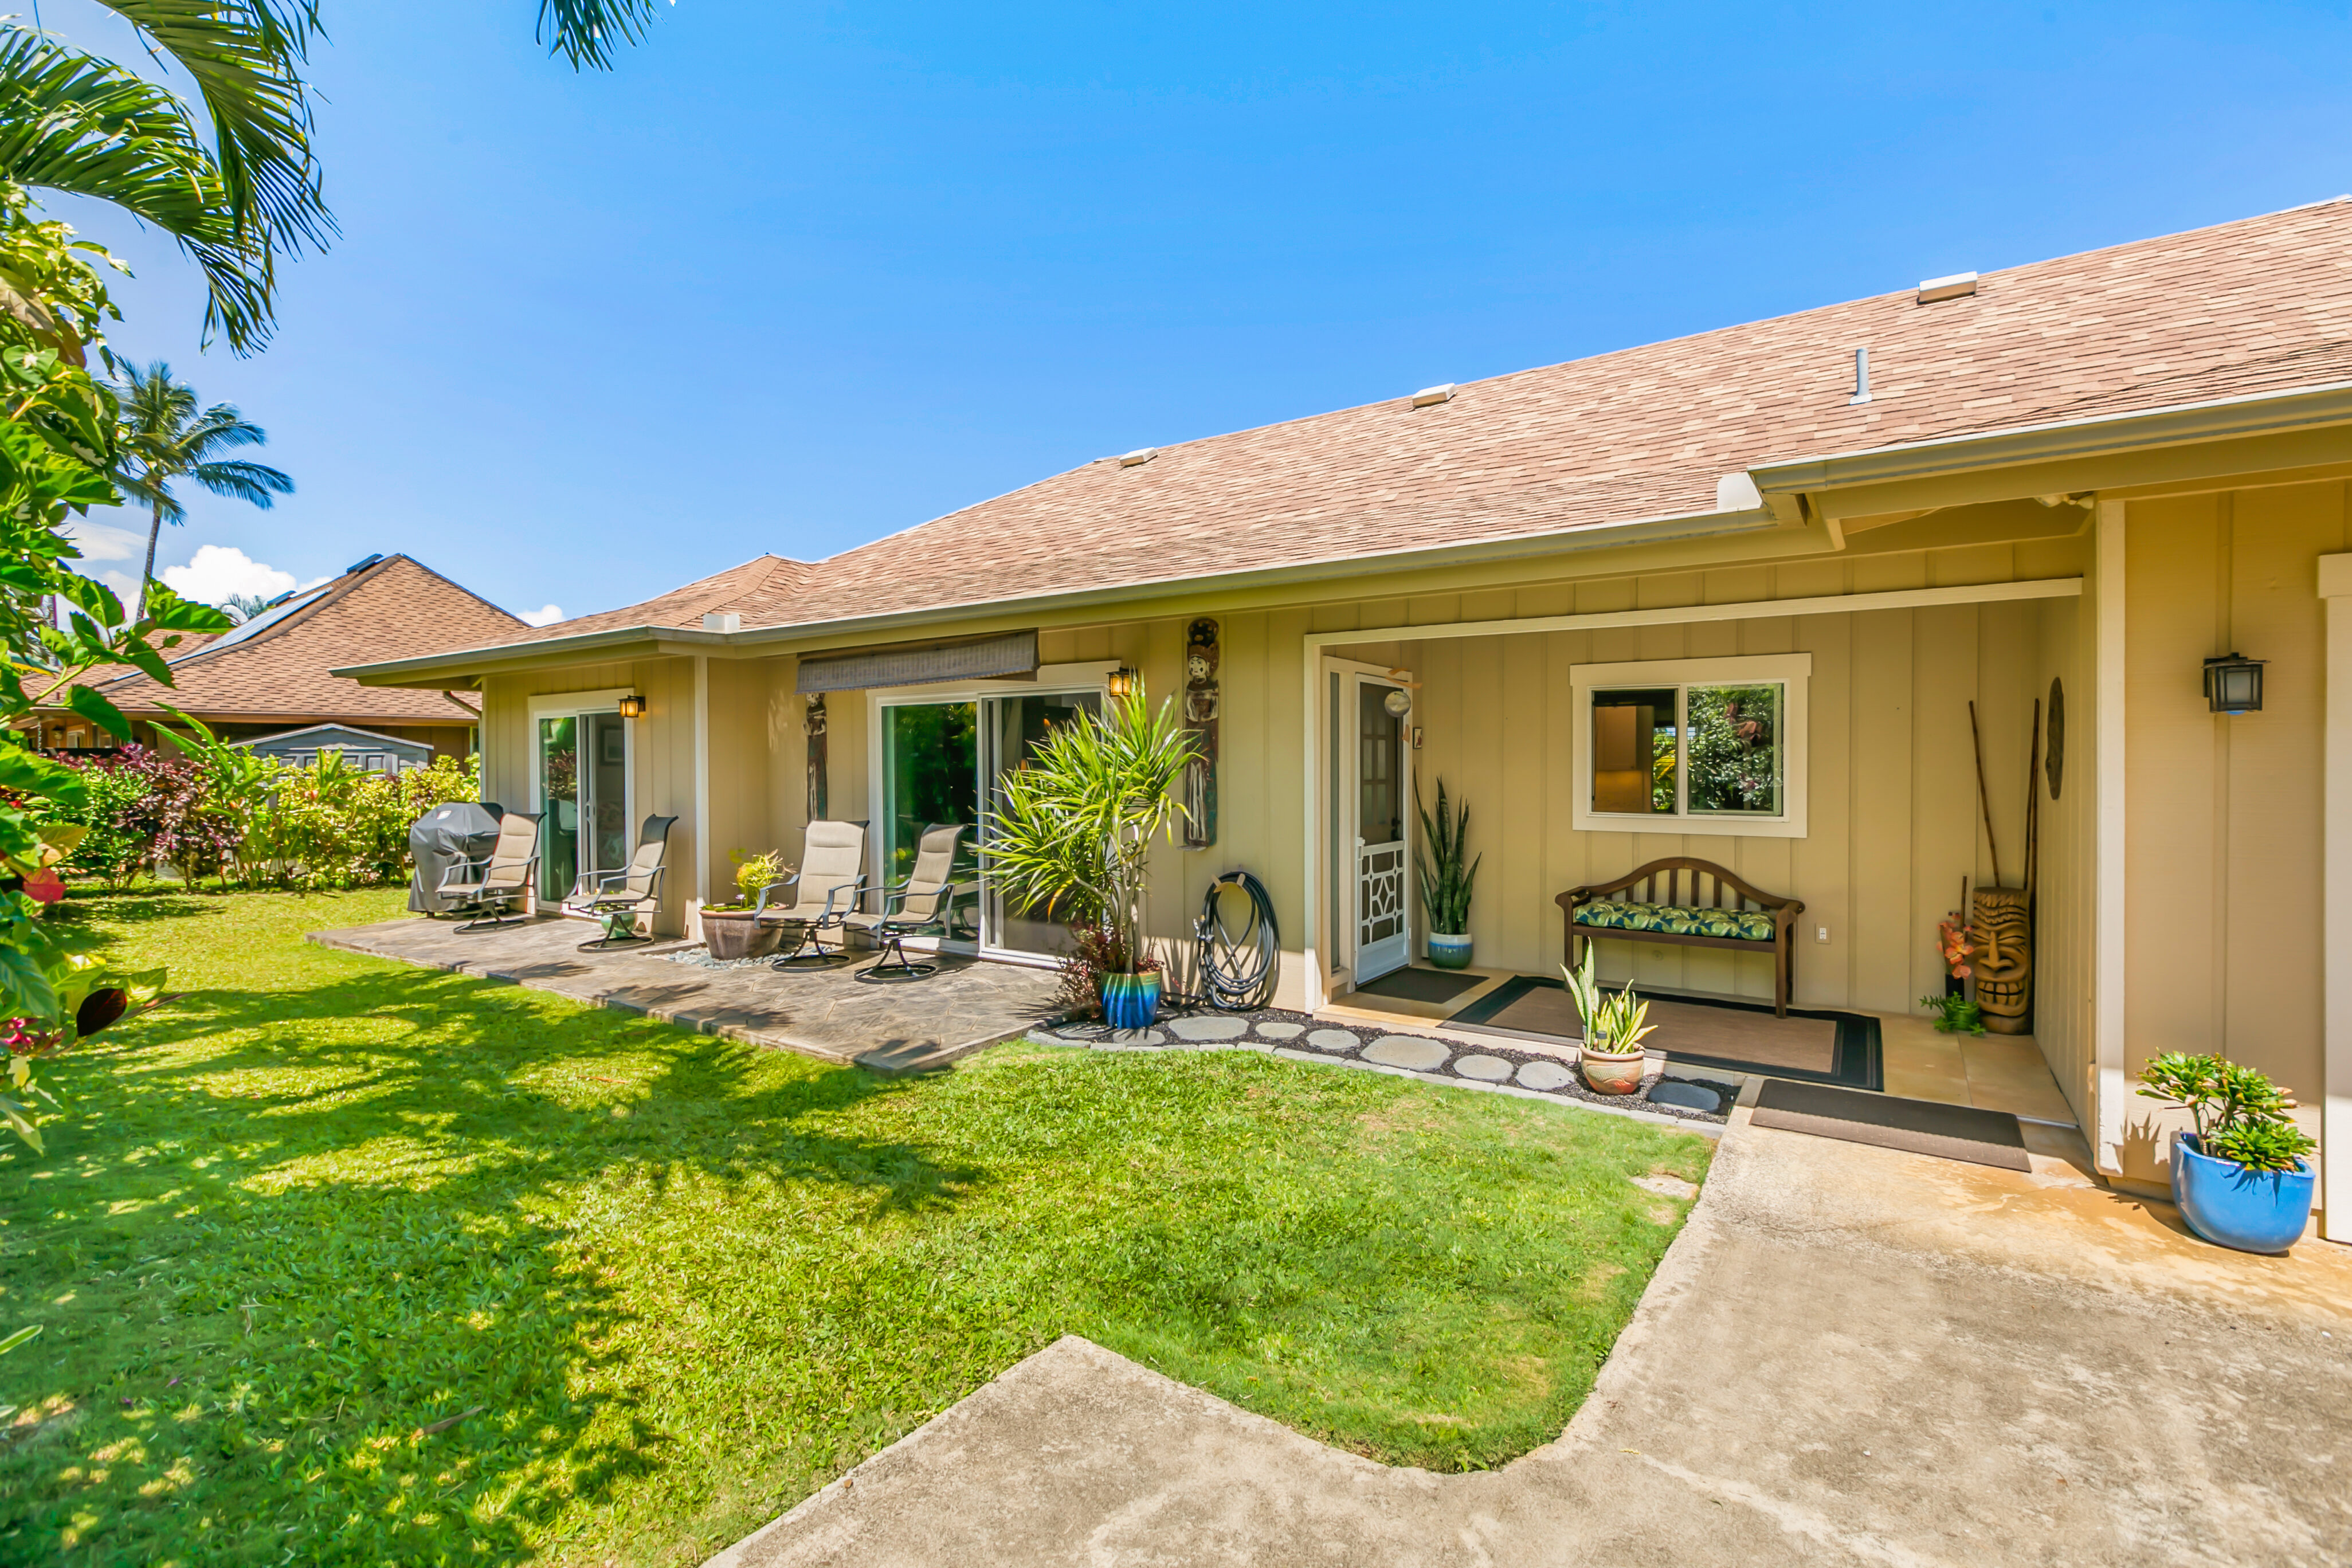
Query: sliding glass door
x=946 y=762
x=1017 y=728
x=583 y=778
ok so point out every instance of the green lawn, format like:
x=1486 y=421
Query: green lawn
x=325 y=1203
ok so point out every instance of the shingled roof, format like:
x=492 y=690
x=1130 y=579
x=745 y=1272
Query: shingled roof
x=2260 y=305
x=276 y=666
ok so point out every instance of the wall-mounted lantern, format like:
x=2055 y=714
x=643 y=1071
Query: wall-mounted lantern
x=2233 y=683
x=633 y=706
x=1122 y=681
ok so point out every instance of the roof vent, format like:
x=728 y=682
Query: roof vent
x=1433 y=394
x=1957 y=286
x=713 y=621
x=1138 y=458
x=362 y=565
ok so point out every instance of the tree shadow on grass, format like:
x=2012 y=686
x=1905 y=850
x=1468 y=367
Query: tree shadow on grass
x=291 y=1232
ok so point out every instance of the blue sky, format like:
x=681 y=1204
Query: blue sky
x=796 y=276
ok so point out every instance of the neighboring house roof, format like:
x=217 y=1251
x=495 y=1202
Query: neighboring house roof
x=311 y=737
x=275 y=665
x=2262 y=305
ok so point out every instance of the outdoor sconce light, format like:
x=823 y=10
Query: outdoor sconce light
x=1122 y=681
x=1399 y=702
x=2233 y=683
x=633 y=706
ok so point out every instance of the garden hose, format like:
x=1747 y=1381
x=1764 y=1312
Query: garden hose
x=1238 y=970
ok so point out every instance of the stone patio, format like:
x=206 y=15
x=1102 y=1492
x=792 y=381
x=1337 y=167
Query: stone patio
x=900 y=1027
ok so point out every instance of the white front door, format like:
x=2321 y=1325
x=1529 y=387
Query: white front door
x=1375 y=800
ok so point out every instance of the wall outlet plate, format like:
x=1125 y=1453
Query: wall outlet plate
x=1820 y=933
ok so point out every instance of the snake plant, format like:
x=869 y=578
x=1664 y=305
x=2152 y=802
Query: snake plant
x=1444 y=880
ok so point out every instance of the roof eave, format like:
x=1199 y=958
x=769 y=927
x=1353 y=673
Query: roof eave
x=2219 y=419
x=658 y=640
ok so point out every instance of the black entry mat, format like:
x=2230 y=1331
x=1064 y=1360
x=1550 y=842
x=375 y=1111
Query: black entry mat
x=1919 y=1126
x=1422 y=985
x=1857 y=1059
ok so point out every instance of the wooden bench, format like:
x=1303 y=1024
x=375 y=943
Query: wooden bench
x=1681 y=901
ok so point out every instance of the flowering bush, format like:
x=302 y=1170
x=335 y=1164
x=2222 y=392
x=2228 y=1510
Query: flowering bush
x=324 y=826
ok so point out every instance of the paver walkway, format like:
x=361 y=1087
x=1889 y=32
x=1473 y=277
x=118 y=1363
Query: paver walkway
x=828 y=1012
x=1850 y=1356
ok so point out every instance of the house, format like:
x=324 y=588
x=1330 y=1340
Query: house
x=269 y=683
x=2019 y=511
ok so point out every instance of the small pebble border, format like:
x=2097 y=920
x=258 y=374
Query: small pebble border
x=1496 y=1066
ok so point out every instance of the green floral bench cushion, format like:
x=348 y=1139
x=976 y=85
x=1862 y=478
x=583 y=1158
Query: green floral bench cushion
x=1747 y=925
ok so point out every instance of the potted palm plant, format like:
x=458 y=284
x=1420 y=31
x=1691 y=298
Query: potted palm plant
x=1072 y=832
x=2240 y=1178
x=1611 y=1057
x=733 y=930
x=1445 y=881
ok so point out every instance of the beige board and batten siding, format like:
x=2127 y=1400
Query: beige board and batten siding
x=2224 y=886
x=661 y=750
x=1894 y=819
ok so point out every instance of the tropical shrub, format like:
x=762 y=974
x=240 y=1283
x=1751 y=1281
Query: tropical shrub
x=1072 y=835
x=2241 y=1115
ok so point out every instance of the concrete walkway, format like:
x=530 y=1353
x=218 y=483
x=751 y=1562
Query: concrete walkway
x=828 y=1012
x=1850 y=1356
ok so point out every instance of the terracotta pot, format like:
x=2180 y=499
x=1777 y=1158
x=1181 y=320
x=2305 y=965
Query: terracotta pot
x=737 y=935
x=1611 y=1074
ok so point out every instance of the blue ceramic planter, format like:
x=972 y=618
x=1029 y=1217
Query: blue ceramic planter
x=1131 y=1001
x=2253 y=1211
x=1449 y=952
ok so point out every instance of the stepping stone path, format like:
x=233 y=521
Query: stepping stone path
x=1416 y=1052
x=1198 y=1029
x=1546 y=1075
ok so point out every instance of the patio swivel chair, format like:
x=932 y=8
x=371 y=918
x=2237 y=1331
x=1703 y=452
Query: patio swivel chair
x=826 y=890
x=620 y=897
x=926 y=903
x=494 y=889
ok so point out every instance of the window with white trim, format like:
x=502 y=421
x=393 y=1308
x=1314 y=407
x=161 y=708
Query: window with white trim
x=1692 y=745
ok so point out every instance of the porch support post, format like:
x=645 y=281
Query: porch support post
x=2109 y=952
x=702 y=779
x=2336 y=902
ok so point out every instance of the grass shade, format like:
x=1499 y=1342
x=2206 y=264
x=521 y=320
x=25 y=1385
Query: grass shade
x=345 y=1261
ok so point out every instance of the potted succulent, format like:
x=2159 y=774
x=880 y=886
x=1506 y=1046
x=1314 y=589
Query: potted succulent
x=1445 y=882
x=729 y=931
x=2240 y=1178
x=1611 y=1057
x=1072 y=835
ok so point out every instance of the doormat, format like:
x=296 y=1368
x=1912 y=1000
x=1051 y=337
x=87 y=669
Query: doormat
x=1840 y=1049
x=1916 y=1126
x=1422 y=985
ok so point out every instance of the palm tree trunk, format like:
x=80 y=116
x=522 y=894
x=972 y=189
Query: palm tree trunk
x=147 y=575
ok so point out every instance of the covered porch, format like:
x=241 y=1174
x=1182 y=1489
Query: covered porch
x=1821 y=751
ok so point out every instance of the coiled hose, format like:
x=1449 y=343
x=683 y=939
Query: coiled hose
x=1238 y=969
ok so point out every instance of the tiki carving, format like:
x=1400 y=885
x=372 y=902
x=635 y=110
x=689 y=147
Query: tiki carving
x=1202 y=700
x=2002 y=929
x=813 y=724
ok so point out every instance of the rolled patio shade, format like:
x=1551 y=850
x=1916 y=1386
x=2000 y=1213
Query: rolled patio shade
x=995 y=656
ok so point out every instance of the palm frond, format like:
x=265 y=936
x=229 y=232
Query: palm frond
x=256 y=482
x=245 y=58
x=584 y=31
x=72 y=122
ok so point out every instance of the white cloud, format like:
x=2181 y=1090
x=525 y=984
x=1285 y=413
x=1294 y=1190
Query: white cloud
x=217 y=571
x=105 y=540
x=545 y=615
